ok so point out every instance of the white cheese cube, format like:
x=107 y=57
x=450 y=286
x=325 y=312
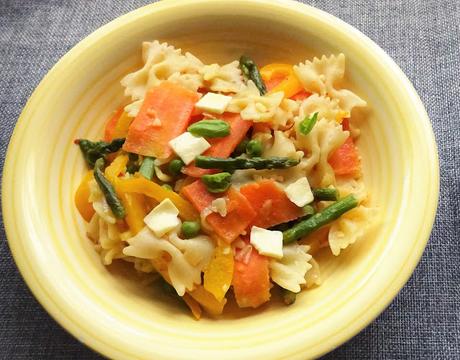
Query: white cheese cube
x=299 y=192
x=214 y=103
x=188 y=147
x=163 y=218
x=267 y=242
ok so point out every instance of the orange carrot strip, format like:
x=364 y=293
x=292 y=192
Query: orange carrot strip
x=239 y=211
x=251 y=281
x=272 y=205
x=111 y=125
x=345 y=160
x=164 y=115
x=223 y=147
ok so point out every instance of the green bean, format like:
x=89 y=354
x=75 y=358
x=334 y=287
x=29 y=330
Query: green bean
x=175 y=167
x=147 y=168
x=212 y=128
x=329 y=214
x=230 y=164
x=107 y=189
x=92 y=151
x=190 y=229
x=217 y=183
x=251 y=72
x=254 y=148
x=326 y=194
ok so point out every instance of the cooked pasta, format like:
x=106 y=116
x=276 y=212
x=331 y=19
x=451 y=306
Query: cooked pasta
x=220 y=175
x=321 y=76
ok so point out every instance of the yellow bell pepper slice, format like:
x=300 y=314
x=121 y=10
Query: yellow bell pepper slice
x=135 y=211
x=193 y=306
x=85 y=208
x=219 y=273
x=117 y=166
x=208 y=301
x=290 y=85
x=134 y=203
x=141 y=185
x=123 y=123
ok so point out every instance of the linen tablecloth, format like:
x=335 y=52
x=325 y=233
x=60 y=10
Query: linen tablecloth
x=423 y=37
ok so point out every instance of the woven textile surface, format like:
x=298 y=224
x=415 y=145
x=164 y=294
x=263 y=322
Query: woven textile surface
x=422 y=36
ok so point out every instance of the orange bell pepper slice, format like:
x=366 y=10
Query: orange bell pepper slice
x=290 y=85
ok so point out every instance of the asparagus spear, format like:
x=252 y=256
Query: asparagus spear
x=107 y=189
x=94 y=150
x=230 y=164
x=250 y=70
x=326 y=194
x=332 y=212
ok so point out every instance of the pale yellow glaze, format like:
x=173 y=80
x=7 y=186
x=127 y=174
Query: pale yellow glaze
x=122 y=319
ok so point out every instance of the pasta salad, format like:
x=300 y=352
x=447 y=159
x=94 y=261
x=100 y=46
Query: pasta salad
x=225 y=180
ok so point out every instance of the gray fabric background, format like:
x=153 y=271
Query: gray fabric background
x=423 y=37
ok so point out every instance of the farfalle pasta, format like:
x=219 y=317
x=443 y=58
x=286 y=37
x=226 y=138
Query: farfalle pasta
x=322 y=76
x=216 y=179
x=227 y=78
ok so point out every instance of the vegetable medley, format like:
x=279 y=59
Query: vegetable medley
x=227 y=178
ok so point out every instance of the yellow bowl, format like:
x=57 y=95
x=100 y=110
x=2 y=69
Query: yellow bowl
x=122 y=319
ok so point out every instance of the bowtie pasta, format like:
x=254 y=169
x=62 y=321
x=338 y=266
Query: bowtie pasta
x=227 y=178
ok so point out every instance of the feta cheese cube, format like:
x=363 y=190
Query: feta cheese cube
x=267 y=242
x=163 y=218
x=214 y=103
x=299 y=192
x=188 y=147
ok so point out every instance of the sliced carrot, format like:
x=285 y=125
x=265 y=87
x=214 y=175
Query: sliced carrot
x=302 y=95
x=239 y=211
x=345 y=160
x=261 y=127
x=224 y=146
x=251 y=280
x=111 y=125
x=164 y=115
x=197 y=194
x=271 y=203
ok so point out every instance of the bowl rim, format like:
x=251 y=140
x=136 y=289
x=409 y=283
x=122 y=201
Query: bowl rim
x=49 y=303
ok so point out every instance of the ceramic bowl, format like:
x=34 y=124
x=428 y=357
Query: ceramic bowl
x=123 y=319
